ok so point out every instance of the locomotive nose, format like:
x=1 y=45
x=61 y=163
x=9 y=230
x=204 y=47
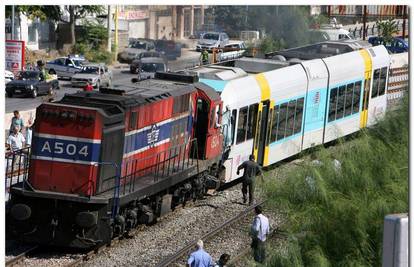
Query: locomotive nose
x=21 y=212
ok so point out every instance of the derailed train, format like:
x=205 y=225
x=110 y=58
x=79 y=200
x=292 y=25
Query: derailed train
x=104 y=162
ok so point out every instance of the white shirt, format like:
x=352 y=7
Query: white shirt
x=16 y=141
x=261 y=226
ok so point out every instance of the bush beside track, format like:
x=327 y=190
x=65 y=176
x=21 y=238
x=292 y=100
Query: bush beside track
x=334 y=215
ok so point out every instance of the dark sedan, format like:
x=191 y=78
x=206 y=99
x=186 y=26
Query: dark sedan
x=133 y=68
x=31 y=83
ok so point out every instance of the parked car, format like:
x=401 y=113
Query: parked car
x=65 y=67
x=212 y=40
x=232 y=51
x=148 y=66
x=8 y=76
x=171 y=49
x=96 y=74
x=135 y=47
x=396 y=45
x=133 y=68
x=31 y=83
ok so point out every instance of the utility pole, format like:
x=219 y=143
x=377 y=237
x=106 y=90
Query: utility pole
x=109 y=29
x=12 y=23
x=116 y=30
x=364 y=23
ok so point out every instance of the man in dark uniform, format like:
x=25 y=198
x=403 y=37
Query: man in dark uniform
x=251 y=169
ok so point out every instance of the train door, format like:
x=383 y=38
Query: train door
x=201 y=125
x=365 y=100
x=261 y=142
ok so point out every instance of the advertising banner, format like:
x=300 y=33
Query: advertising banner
x=14 y=55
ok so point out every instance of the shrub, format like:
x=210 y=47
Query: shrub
x=335 y=214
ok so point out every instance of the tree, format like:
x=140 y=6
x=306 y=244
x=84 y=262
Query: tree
x=77 y=12
x=232 y=19
x=387 y=29
x=54 y=13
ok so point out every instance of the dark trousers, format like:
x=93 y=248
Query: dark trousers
x=248 y=185
x=259 y=250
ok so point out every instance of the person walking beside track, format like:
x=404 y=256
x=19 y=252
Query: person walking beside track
x=251 y=169
x=259 y=232
x=200 y=258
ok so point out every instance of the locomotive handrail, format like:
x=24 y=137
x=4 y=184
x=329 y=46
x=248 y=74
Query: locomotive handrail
x=17 y=166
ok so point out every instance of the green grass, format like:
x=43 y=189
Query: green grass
x=334 y=217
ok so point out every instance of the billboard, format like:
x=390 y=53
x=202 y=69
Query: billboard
x=14 y=55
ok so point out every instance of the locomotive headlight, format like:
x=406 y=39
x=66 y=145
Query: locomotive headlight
x=64 y=115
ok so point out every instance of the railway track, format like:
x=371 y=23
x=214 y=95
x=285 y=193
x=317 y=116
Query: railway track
x=19 y=258
x=184 y=251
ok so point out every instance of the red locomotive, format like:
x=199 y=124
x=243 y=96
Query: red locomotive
x=103 y=162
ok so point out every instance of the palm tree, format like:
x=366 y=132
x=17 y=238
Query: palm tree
x=386 y=29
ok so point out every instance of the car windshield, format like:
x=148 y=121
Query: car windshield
x=152 y=67
x=211 y=36
x=138 y=45
x=77 y=62
x=93 y=70
x=150 y=54
x=28 y=75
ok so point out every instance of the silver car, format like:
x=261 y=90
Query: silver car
x=96 y=74
x=211 y=40
x=65 y=67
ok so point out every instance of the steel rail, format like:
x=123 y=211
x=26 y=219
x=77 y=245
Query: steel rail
x=186 y=249
x=16 y=260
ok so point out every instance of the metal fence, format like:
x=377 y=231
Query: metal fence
x=16 y=167
x=358 y=31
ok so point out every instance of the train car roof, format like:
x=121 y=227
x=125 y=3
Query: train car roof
x=131 y=95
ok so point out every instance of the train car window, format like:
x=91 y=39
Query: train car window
x=259 y=123
x=348 y=99
x=251 y=124
x=282 y=121
x=299 y=115
x=340 y=103
x=332 y=104
x=375 y=83
x=273 y=133
x=242 y=125
x=382 y=82
x=133 y=120
x=233 y=124
x=290 y=118
x=357 y=98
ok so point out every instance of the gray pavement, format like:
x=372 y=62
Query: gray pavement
x=121 y=76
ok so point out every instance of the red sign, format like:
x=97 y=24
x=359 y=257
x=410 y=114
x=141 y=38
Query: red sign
x=14 y=55
x=133 y=14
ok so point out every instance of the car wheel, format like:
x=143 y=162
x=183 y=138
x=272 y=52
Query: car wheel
x=10 y=95
x=52 y=71
x=34 y=93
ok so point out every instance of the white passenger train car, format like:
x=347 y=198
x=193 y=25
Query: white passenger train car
x=278 y=113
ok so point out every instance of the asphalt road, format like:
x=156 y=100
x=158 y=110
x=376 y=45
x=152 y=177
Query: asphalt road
x=120 y=74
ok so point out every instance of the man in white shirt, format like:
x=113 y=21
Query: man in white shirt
x=16 y=139
x=260 y=229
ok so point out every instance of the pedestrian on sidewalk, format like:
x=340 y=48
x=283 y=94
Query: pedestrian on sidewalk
x=199 y=258
x=16 y=121
x=204 y=57
x=88 y=87
x=15 y=140
x=251 y=169
x=259 y=232
x=29 y=130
